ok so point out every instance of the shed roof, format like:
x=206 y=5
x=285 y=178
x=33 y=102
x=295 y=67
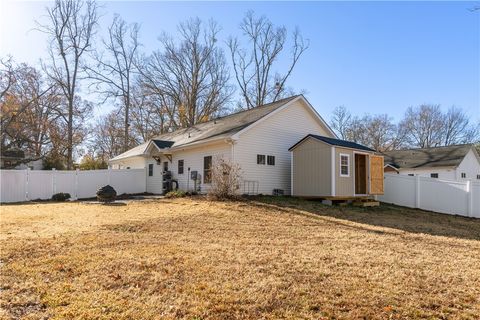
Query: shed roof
x=334 y=142
x=449 y=156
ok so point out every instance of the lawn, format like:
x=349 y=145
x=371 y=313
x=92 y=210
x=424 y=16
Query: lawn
x=266 y=258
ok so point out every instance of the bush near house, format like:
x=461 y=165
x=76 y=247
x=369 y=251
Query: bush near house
x=176 y=194
x=226 y=177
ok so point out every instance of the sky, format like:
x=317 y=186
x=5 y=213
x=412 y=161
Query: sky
x=371 y=57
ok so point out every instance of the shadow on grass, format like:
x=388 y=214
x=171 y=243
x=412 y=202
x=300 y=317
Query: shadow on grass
x=386 y=215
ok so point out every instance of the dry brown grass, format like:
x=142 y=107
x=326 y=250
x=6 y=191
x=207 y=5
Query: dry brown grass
x=268 y=258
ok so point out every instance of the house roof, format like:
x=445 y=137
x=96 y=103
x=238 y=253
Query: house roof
x=334 y=142
x=162 y=143
x=13 y=154
x=449 y=156
x=222 y=127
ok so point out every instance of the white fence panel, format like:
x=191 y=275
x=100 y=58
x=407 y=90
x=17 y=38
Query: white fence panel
x=128 y=180
x=39 y=185
x=89 y=181
x=64 y=182
x=445 y=196
x=24 y=185
x=475 y=199
x=13 y=185
x=400 y=190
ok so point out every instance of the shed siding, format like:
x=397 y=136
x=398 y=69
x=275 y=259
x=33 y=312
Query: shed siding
x=273 y=137
x=344 y=186
x=312 y=163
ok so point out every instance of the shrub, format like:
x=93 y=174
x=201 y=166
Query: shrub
x=61 y=196
x=225 y=179
x=176 y=194
x=106 y=194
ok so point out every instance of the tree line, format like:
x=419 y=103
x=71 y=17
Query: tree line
x=422 y=126
x=46 y=111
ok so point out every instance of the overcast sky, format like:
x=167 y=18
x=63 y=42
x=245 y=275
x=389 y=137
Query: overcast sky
x=372 y=57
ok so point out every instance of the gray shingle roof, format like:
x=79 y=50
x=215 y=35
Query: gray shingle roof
x=449 y=156
x=222 y=127
x=334 y=142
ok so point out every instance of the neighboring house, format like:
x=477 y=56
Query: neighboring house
x=325 y=167
x=458 y=162
x=257 y=140
x=13 y=158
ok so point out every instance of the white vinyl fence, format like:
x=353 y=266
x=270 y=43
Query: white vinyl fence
x=445 y=196
x=25 y=185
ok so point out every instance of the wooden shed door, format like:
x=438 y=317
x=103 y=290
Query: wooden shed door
x=376 y=174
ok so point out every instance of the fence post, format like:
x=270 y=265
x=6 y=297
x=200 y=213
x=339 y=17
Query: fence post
x=27 y=178
x=54 y=181
x=417 y=191
x=76 y=183
x=469 y=199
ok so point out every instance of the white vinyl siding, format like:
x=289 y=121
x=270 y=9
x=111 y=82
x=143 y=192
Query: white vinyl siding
x=275 y=136
x=193 y=158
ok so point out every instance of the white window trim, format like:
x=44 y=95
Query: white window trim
x=340 y=164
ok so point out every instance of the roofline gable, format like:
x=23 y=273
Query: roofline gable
x=278 y=110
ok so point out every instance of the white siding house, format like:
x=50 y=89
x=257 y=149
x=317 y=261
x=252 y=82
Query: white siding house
x=458 y=162
x=257 y=140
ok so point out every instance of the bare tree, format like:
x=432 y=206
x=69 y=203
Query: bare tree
x=189 y=78
x=114 y=69
x=28 y=114
x=107 y=137
x=71 y=29
x=254 y=66
x=340 y=121
x=423 y=125
x=458 y=129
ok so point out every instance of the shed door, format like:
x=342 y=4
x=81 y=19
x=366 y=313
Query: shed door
x=376 y=174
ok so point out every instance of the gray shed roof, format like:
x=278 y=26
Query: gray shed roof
x=222 y=127
x=334 y=142
x=449 y=156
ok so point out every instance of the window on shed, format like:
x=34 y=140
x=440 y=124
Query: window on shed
x=344 y=165
x=433 y=175
x=271 y=160
x=207 y=169
x=464 y=175
x=260 y=159
x=180 y=166
x=150 y=169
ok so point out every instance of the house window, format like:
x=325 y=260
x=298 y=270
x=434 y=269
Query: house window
x=464 y=175
x=150 y=169
x=411 y=174
x=344 y=165
x=180 y=166
x=260 y=159
x=207 y=169
x=165 y=166
x=478 y=176
x=271 y=160
x=434 y=175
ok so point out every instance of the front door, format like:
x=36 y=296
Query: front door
x=360 y=174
